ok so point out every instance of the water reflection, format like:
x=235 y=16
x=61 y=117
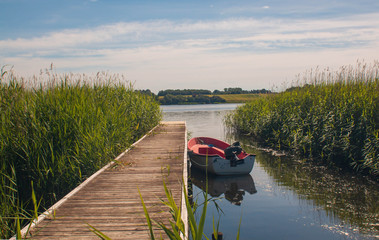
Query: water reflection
x=293 y=201
x=203 y=120
x=233 y=187
x=342 y=195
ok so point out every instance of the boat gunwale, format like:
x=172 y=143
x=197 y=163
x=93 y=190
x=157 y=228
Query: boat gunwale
x=190 y=151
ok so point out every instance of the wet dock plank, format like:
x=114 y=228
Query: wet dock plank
x=110 y=201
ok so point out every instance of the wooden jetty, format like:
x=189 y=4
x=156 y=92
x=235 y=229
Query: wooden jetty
x=109 y=200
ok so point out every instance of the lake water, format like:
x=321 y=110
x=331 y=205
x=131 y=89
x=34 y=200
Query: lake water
x=280 y=199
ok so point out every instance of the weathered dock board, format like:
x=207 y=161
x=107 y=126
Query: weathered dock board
x=110 y=201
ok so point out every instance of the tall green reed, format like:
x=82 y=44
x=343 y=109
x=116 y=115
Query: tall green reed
x=58 y=133
x=176 y=228
x=330 y=116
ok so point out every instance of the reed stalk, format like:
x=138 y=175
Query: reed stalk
x=330 y=117
x=176 y=230
x=58 y=129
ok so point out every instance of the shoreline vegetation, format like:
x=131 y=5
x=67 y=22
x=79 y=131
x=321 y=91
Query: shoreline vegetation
x=55 y=135
x=329 y=117
x=202 y=96
x=56 y=130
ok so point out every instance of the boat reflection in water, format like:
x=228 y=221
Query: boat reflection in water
x=233 y=187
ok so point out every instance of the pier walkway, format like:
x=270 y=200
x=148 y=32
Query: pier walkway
x=109 y=200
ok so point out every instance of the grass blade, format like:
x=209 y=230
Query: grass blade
x=148 y=219
x=98 y=233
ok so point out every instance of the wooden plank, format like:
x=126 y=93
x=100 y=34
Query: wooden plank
x=109 y=200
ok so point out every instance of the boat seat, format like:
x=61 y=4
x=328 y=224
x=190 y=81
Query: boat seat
x=211 y=151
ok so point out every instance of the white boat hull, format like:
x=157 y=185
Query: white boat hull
x=220 y=166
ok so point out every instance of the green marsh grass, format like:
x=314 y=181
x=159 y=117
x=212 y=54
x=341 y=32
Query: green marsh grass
x=176 y=229
x=59 y=132
x=332 y=117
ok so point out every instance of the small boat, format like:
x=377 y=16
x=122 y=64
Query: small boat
x=218 y=157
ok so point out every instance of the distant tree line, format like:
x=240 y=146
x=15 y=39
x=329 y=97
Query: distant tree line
x=197 y=96
x=184 y=92
x=147 y=92
x=238 y=90
x=196 y=99
x=194 y=92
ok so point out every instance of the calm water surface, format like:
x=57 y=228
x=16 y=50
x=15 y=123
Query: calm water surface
x=280 y=199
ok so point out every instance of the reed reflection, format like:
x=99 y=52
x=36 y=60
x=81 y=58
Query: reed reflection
x=341 y=194
x=233 y=187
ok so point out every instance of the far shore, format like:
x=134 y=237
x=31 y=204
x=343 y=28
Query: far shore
x=229 y=98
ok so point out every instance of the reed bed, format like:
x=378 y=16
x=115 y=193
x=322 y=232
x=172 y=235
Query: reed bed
x=56 y=134
x=330 y=117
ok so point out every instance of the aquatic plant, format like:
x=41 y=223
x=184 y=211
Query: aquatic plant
x=175 y=230
x=331 y=117
x=58 y=129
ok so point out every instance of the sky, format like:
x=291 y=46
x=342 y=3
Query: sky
x=183 y=44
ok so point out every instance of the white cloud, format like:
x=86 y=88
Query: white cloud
x=135 y=34
x=251 y=53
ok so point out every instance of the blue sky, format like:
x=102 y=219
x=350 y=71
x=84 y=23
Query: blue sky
x=189 y=44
